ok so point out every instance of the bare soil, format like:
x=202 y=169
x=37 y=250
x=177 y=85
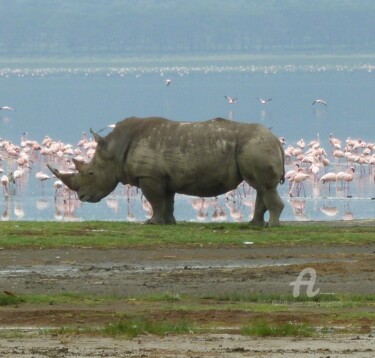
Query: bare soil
x=195 y=271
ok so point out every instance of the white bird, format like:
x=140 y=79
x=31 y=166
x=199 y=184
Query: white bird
x=18 y=173
x=5 y=182
x=58 y=184
x=168 y=81
x=231 y=100
x=319 y=101
x=6 y=108
x=264 y=101
x=41 y=176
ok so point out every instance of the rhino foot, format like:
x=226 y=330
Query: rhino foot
x=257 y=223
x=160 y=221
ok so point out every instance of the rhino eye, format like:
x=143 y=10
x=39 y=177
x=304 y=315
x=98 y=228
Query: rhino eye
x=91 y=172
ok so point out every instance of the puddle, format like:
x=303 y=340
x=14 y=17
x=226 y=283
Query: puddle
x=76 y=269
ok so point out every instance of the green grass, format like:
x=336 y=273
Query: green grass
x=6 y=300
x=165 y=313
x=104 y=234
x=265 y=329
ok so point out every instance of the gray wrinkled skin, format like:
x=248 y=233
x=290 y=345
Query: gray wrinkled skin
x=164 y=157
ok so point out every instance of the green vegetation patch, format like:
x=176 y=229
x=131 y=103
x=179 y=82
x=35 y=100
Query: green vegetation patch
x=265 y=329
x=10 y=300
x=104 y=234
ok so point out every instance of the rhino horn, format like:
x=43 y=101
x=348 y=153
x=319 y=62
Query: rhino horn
x=96 y=136
x=78 y=164
x=55 y=172
x=67 y=178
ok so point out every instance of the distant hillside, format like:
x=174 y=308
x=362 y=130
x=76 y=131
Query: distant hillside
x=116 y=27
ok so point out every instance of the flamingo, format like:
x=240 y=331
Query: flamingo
x=298 y=178
x=18 y=174
x=6 y=108
x=58 y=184
x=231 y=100
x=5 y=182
x=329 y=178
x=335 y=143
x=301 y=143
x=264 y=101
x=320 y=101
x=338 y=154
x=42 y=177
x=346 y=177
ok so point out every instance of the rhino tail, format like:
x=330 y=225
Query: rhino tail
x=282 y=178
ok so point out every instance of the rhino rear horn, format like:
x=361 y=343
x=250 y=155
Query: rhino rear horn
x=96 y=136
x=78 y=164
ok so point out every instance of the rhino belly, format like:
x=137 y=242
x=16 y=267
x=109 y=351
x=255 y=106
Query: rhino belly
x=208 y=180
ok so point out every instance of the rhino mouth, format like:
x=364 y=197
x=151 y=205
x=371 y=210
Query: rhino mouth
x=88 y=198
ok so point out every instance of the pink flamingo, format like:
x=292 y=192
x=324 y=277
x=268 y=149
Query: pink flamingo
x=329 y=178
x=298 y=178
x=345 y=177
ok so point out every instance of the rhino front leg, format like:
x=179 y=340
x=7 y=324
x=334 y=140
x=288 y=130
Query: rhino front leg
x=161 y=201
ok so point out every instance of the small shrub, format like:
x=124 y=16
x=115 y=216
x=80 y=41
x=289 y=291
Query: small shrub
x=264 y=329
x=8 y=300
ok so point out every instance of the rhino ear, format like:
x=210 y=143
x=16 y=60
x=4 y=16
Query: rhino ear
x=101 y=141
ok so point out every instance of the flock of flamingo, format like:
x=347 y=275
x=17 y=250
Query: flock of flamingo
x=329 y=171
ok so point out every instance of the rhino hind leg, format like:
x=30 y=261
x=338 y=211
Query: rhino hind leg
x=269 y=200
x=259 y=211
x=161 y=201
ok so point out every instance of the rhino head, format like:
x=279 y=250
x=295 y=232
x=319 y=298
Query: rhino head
x=95 y=180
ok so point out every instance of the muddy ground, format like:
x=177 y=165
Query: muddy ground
x=196 y=271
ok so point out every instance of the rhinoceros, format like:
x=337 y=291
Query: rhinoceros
x=164 y=157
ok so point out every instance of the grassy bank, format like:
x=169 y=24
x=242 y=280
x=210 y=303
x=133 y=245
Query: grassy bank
x=103 y=234
x=164 y=314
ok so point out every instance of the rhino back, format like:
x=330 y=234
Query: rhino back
x=195 y=158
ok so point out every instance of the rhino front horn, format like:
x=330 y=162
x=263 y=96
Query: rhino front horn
x=55 y=172
x=67 y=179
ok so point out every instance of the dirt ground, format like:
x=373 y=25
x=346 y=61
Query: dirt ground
x=196 y=271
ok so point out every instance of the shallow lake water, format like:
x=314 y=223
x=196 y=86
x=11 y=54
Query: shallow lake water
x=62 y=103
